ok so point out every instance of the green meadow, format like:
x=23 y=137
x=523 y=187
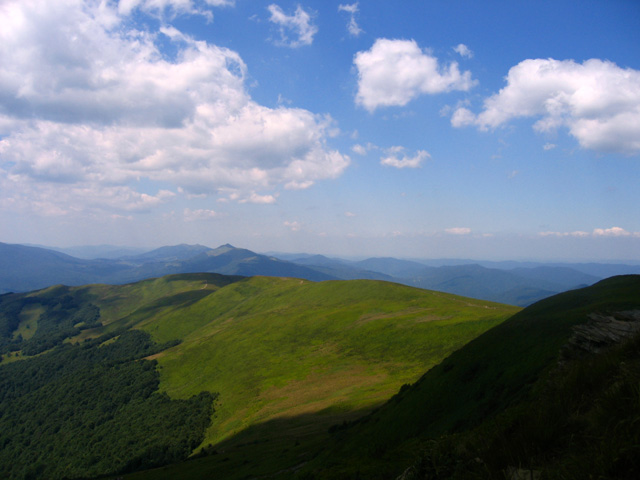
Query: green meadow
x=276 y=348
x=299 y=354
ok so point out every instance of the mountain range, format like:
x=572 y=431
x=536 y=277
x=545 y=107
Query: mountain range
x=25 y=268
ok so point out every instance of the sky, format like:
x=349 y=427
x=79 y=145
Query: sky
x=496 y=130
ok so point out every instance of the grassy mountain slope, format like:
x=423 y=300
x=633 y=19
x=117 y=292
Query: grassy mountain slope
x=495 y=372
x=288 y=357
x=36 y=321
x=305 y=375
x=263 y=342
x=496 y=407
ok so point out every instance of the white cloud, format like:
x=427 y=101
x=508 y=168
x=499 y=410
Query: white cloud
x=349 y=214
x=597 y=232
x=392 y=160
x=221 y=3
x=549 y=146
x=174 y=7
x=294 y=226
x=200 y=214
x=295 y=30
x=577 y=233
x=463 y=50
x=458 y=231
x=462 y=117
x=597 y=101
x=364 y=149
x=359 y=149
x=50 y=199
x=394 y=72
x=89 y=103
x=352 y=9
x=261 y=199
x=611 y=232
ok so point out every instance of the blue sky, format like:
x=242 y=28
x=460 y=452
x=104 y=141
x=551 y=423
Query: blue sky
x=425 y=129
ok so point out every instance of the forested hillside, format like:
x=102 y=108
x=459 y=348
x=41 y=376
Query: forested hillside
x=94 y=408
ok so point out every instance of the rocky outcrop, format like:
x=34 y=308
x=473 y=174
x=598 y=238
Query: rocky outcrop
x=601 y=332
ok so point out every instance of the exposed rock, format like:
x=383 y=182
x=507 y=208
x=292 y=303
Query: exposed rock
x=601 y=332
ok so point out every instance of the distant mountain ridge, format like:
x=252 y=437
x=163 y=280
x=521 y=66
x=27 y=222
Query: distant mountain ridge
x=518 y=286
x=24 y=268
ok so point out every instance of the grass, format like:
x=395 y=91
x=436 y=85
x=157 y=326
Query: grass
x=289 y=357
x=582 y=422
x=493 y=373
x=28 y=321
x=306 y=355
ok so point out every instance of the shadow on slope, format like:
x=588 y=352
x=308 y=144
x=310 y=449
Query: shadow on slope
x=488 y=375
x=257 y=452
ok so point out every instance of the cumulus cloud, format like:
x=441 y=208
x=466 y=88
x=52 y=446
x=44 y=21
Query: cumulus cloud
x=394 y=72
x=90 y=103
x=462 y=116
x=458 y=231
x=295 y=30
x=49 y=199
x=597 y=101
x=352 y=26
x=463 y=50
x=392 y=158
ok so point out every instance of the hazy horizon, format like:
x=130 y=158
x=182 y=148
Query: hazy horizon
x=489 y=131
x=301 y=254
